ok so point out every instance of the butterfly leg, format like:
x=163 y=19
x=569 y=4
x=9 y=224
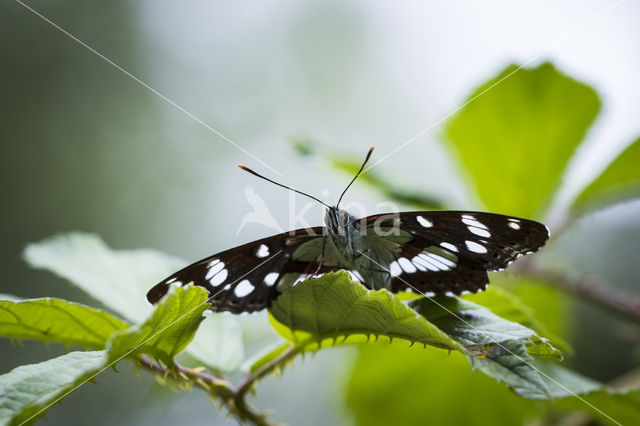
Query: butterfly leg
x=374 y=269
x=324 y=243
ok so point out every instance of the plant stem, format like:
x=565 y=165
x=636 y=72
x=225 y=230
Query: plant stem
x=216 y=386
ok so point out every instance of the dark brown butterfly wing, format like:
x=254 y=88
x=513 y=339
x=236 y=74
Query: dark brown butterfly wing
x=245 y=278
x=451 y=251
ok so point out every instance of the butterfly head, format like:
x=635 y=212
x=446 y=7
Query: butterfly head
x=338 y=221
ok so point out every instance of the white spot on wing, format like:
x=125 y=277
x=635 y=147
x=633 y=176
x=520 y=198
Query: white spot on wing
x=449 y=246
x=513 y=219
x=514 y=225
x=214 y=268
x=473 y=222
x=263 y=251
x=243 y=288
x=446 y=262
x=395 y=269
x=406 y=265
x=479 y=231
x=419 y=264
x=218 y=278
x=171 y=280
x=424 y=222
x=423 y=259
x=270 y=278
x=475 y=247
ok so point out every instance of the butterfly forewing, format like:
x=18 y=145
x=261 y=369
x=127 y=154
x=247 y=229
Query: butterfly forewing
x=245 y=278
x=451 y=251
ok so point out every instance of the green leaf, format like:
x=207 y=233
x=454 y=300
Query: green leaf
x=55 y=320
x=619 y=181
x=120 y=280
x=333 y=306
x=27 y=389
x=502 y=344
x=168 y=331
x=517 y=134
x=474 y=325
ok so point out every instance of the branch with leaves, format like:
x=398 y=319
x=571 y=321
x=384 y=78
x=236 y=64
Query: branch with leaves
x=497 y=137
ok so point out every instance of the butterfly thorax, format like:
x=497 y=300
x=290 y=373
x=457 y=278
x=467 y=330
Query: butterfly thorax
x=341 y=227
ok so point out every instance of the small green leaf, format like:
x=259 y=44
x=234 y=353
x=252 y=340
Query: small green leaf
x=619 y=181
x=27 y=389
x=517 y=134
x=168 y=331
x=55 y=320
x=333 y=306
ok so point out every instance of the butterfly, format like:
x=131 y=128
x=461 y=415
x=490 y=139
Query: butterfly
x=427 y=252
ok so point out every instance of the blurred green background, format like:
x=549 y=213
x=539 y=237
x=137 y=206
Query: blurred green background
x=85 y=147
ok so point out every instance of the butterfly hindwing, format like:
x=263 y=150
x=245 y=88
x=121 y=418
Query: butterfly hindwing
x=245 y=278
x=451 y=251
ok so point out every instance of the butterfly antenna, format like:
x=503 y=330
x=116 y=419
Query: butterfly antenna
x=357 y=174
x=246 y=169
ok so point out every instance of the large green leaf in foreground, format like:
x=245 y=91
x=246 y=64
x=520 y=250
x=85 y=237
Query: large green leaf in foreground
x=619 y=181
x=120 y=280
x=55 y=320
x=333 y=306
x=28 y=389
x=517 y=134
